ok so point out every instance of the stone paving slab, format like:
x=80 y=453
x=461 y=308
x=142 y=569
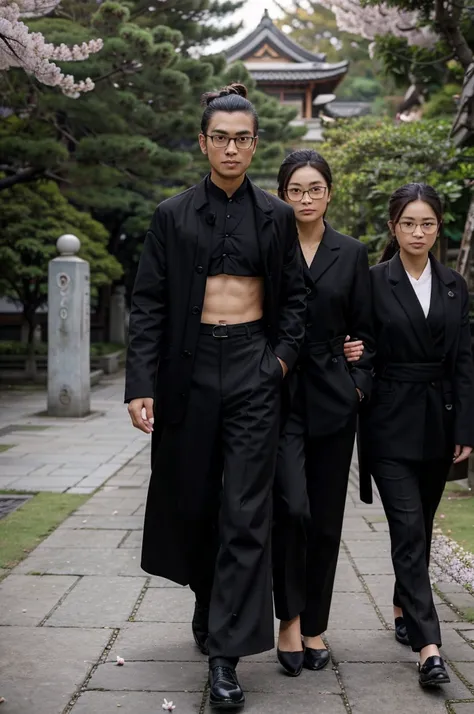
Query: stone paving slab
x=375 y=688
x=81 y=538
x=130 y=523
x=374 y=566
x=27 y=599
x=136 y=703
x=98 y=602
x=166 y=605
x=163 y=677
x=367 y=646
x=82 y=561
x=306 y=702
x=463 y=708
x=155 y=642
x=41 y=668
x=353 y=611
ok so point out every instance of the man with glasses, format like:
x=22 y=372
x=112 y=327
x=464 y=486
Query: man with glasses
x=217 y=319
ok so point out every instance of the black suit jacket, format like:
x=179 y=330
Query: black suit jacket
x=339 y=304
x=424 y=416
x=169 y=292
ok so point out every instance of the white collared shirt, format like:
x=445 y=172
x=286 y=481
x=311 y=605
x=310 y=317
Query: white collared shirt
x=422 y=288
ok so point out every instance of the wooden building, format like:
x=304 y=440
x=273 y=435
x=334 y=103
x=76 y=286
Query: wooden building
x=285 y=70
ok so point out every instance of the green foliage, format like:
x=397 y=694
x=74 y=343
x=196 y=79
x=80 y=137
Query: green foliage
x=32 y=217
x=371 y=158
x=442 y=102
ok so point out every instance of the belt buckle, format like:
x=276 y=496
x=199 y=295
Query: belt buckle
x=220 y=336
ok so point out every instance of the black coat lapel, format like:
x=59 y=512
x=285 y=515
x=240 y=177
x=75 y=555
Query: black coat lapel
x=407 y=298
x=451 y=302
x=326 y=255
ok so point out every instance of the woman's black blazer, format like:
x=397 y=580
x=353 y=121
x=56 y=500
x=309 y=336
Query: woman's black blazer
x=423 y=395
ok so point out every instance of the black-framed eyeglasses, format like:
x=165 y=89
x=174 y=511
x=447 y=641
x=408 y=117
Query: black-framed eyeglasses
x=221 y=141
x=428 y=228
x=297 y=194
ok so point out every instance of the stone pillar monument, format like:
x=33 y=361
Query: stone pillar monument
x=68 y=331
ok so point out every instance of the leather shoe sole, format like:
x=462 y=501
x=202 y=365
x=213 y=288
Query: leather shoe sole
x=226 y=703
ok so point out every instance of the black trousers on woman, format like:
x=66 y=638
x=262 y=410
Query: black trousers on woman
x=410 y=493
x=309 y=500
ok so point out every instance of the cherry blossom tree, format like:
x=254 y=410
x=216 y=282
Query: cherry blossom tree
x=28 y=50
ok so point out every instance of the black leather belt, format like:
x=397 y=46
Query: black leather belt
x=414 y=371
x=222 y=331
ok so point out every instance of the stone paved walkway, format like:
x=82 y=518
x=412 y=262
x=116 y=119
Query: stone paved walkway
x=65 y=455
x=80 y=600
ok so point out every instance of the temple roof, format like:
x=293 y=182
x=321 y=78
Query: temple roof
x=268 y=34
x=298 y=72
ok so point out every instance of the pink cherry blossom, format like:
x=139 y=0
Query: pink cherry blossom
x=28 y=50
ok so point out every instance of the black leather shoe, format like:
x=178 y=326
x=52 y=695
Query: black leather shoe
x=225 y=691
x=315 y=659
x=292 y=662
x=401 y=634
x=200 y=627
x=433 y=672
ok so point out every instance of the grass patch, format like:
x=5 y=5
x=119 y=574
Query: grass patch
x=457 y=507
x=25 y=528
x=5 y=447
x=468 y=613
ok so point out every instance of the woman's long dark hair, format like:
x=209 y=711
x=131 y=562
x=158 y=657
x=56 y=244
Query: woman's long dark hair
x=400 y=199
x=229 y=99
x=297 y=160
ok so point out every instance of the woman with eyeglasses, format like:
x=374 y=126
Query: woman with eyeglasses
x=421 y=415
x=317 y=443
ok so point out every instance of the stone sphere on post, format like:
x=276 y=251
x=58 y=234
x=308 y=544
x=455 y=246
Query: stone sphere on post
x=68 y=331
x=68 y=244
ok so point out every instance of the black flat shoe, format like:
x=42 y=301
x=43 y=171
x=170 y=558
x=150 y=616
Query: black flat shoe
x=401 y=634
x=225 y=691
x=433 y=672
x=292 y=662
x=315 y=659
x=200 y=627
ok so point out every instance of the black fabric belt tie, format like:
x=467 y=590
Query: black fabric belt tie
x=223 y=331
x=414 y=371
x=333 y=347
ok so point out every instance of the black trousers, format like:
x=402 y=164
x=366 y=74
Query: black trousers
x=410 y=493
x=226 y=456
x=310 y=495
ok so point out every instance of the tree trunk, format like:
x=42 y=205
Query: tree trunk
x=463 y=262
x=30 y=368
x=448 y=17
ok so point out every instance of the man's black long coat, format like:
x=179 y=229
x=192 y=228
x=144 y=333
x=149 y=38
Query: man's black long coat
x=164 y=327
x=418 y=419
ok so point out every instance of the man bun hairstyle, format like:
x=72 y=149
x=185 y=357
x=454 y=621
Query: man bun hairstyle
x=232 y=98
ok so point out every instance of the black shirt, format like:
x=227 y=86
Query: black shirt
x=235 y=249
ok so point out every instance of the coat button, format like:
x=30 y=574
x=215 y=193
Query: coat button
x=450 y=294
x=433 y=384
x=309 y=324
x=199 y=269
x=448 y=407
x=196 y=310
x=186 y=353
x=309 y=291
x=334 y=359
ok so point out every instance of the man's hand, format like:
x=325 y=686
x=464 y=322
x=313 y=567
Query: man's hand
x=353 y=351
x=461 y=453
x=141 y=414
x=283 y=366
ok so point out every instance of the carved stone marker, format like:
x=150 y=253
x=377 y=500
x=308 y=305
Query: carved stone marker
x=68 y=331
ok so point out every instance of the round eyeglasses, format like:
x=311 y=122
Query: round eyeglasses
x=297 y=194
x=429 y=228
x=222 y=142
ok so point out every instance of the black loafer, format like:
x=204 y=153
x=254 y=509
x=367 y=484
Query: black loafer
x=200 y=627
x=401 y=634
x=292 y=662
x=433 y=672
x=315 y=659
x=225 y=691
